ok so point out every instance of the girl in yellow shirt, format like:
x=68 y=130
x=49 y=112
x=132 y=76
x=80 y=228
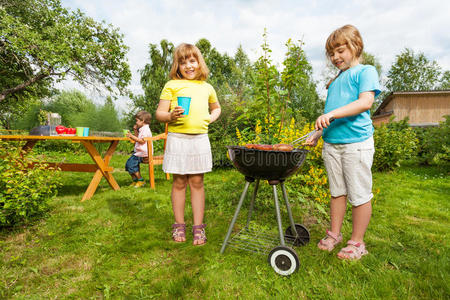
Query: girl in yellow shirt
x=188 y=151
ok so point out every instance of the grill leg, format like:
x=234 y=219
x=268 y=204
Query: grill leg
x=252 y=203
x=277 y=210
x=236 y=213
x=288 y=207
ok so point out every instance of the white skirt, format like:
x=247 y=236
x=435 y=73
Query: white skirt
x=187 y=154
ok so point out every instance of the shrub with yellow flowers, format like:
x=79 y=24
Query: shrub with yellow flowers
x=311 y=179
x=267 y=133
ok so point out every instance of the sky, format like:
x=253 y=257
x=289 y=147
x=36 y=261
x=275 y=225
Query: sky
x=387 y=28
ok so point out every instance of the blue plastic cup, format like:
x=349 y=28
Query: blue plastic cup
x=86 y=131
x=185 y=103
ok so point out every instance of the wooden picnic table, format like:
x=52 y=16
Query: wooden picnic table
x=101 y=166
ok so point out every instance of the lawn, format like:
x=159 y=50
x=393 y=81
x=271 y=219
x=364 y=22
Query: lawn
x=117 y=245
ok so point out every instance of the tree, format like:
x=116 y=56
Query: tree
x=41 y=42
x=266 y=98
x=445 y=81
x=413 y=72
x=154 y=76
x=76 y=110
x=106 y=117
x=221 y=66
x=286 y=94
x=241 y=77
x=230 y=77
x=297 y=81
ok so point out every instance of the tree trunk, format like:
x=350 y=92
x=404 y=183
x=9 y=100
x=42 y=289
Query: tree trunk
x=21 y=86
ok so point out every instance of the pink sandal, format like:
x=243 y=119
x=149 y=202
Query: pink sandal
x=329 y=241
x=179 y=232
x=353 y=251
x=198 y=231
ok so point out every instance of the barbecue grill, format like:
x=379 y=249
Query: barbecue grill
x=275 y=167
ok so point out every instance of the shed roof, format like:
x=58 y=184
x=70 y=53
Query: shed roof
x=391 y=96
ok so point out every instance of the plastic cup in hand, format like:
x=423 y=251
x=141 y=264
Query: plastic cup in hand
x=185 y=103
x=86 y=131
x=125 y=131
x=79 y=131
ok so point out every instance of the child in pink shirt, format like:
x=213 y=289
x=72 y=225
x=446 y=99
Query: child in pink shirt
x=141 y=131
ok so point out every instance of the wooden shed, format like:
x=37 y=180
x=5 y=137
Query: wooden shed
x=424 y=108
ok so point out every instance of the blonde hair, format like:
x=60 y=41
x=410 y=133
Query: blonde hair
x=183 y=52
x=347 y=35
x=143 y=116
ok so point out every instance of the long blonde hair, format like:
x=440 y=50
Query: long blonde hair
x=346 y=35
x=183 y=52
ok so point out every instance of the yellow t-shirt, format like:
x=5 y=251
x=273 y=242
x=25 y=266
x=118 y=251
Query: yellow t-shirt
x=201 y=93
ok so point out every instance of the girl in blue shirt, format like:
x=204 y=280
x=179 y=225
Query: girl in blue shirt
x=348 y=143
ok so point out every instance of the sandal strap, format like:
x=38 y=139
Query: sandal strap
x=330 y=241
x=336 y=237
x=176 y=225
x=198 y=229
x=356 y=244
x=178 y=230
x=199 y=232
x=354 y=250
x=355 y=247
x=201 y=226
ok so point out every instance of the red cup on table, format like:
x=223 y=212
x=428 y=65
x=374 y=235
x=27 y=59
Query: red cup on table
x=60 y=129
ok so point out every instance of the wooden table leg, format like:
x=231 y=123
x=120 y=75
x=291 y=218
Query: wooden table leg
x=29 y=145
x=102 y=165
x=92 y=186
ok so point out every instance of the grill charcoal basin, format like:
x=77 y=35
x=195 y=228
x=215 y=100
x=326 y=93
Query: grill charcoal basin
x=268 y=165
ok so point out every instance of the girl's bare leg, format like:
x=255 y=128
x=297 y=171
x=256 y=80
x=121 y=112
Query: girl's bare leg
x=361 y=216
x=338 y=206
x=198 y=203
x=179 y=197
x=197 y=197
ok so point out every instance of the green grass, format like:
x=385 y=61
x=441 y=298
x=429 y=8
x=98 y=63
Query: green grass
x=117 y=245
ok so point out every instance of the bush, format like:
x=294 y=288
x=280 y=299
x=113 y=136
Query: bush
x=394 y=143
x=219 y=150
x=311 y=179
x=24 y=193
x=434 y=144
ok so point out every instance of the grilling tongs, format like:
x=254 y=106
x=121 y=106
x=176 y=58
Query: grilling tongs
x=306 y=136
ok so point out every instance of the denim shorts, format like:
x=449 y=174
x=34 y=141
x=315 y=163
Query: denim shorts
x=132 y=165
x=349 y=170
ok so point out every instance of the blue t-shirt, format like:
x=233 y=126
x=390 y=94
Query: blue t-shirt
x=344 y=90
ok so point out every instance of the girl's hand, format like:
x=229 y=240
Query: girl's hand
x=176 y=113
x=313 y=139
x=323 y=121
x=131 y=136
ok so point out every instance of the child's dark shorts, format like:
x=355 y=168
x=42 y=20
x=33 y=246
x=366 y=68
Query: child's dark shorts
x=132 y=165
